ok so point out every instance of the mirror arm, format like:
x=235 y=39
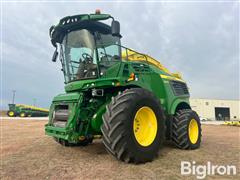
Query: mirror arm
x=55 y=55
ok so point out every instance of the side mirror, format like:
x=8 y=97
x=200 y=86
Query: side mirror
x=115 y=28
x=55 y=55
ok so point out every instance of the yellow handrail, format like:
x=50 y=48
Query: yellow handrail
x=134 y=56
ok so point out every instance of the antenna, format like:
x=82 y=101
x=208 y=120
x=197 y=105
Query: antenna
x=13 y=97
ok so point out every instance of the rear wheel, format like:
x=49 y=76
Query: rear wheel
x=134 y=126
x=22 y=114
x=11 y=113
x=186 y=132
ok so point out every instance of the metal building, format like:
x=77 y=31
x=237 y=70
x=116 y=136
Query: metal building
x=216 y=109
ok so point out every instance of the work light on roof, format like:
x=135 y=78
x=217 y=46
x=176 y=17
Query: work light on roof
x=97 y=11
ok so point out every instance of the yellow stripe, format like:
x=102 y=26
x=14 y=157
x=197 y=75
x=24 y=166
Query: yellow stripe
x=170 y=77
x=33 y=107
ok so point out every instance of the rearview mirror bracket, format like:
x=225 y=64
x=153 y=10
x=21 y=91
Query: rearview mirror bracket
x=55 y=55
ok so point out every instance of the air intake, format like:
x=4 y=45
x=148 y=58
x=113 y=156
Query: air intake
x=140 y=68
x=179 y=88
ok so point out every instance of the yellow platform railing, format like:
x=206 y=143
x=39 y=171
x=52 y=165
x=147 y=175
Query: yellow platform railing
x=132 y=55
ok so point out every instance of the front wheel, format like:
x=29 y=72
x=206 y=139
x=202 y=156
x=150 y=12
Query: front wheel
x=11 y=113
x=134 y=126
x=186 y=132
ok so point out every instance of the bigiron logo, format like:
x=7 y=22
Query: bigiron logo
x=201 y=171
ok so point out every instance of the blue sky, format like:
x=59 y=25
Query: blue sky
x=200 y=40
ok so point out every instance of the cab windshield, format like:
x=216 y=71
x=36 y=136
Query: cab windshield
x=88 y=56
x=79 y=57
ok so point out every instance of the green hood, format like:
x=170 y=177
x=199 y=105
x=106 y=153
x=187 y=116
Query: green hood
x=88 y=84
x=67 y=97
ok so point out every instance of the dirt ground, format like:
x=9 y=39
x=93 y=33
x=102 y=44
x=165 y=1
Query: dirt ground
x=3 y=113
x=26 y=153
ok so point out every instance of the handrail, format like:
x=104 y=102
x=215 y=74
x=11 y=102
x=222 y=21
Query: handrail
x=148 y=59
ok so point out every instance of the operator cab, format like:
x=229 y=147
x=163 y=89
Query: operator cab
x=87 y=48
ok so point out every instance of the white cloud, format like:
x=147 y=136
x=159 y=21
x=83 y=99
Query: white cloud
x=198 y=39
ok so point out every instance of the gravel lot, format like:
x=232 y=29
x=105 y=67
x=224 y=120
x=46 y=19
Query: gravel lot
x=26 y=153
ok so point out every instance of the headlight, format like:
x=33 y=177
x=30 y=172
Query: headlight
x=97 y=92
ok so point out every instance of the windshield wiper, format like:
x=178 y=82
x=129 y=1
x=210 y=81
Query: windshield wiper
x=75 y=62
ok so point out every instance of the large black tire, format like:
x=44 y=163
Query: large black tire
x=11 y=114
x=181 y=130
x=118 y=123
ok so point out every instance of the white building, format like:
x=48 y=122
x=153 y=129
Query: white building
x=216 y=108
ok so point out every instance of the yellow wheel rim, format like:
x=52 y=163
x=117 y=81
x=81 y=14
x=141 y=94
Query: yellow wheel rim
x=193 y=131
x=22 y=114
x=11 y=113
x=145 y=126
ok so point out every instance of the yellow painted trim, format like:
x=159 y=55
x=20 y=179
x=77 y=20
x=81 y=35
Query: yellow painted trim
x=145 y=126
x=170 y=77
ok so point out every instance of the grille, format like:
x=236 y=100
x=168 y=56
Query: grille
x=179 y=88
x=60 y=116
x=140 y=67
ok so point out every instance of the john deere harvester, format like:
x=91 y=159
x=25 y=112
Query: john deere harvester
x=23 y=110
x=126 y=97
